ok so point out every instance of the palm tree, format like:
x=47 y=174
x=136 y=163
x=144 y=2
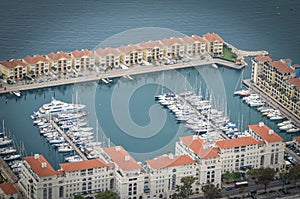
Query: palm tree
x=106 y=195
x=211 y=191
x=184 y=190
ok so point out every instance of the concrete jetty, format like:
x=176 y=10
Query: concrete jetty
x=223 y=135
x=68 y=140
x=244 y=53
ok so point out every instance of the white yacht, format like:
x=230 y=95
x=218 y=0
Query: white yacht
x=56 y=106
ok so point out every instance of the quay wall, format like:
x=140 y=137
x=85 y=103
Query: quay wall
x=135 y=70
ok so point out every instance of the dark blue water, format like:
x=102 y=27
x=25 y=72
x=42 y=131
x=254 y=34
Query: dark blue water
x=31 y=27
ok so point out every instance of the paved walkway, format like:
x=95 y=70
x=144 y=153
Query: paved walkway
x=93 y=75
x=68 y=140
x=273 y=102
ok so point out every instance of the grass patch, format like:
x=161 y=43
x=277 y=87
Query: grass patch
x=228 y=55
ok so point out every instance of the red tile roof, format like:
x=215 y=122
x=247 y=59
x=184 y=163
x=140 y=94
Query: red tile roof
x=297 y=138
x=170 y=161
x=8 y=188
x=264 y=131
x=172 y=41
x=36 y=166
x=296 y=65
x=236 y=142
x=198 y=38
x=295 y=81
x=83 y=165
x=107 y=51
x=150 y=45
x=13 y=63
x=35 y=59
x=188 y=40
x=287 y=60
x=122 y=158
x=211 y=37
x=81 y=53
x=59 y=55
x=263 y=58
x=281 y=67
x=128 y=49
x=196 y=144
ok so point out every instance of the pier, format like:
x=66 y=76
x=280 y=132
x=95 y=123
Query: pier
x=244 y=53
x=105 y=81
x=274 y=102
x=68 y=140
x=223 y=135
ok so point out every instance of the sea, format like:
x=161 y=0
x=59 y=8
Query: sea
x=125 y=112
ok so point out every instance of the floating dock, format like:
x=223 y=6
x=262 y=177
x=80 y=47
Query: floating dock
x=68 y=140
x=105 y=81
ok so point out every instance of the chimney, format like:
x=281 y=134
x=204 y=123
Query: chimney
x=271 y=131
x=118 y=148
x=36 y=156
x=171 y=156
x=194 y=137
x=44 y=164
x=261 y=124
x=127 y=158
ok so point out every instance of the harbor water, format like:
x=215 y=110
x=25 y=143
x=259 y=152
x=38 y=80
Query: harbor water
x=125 y=109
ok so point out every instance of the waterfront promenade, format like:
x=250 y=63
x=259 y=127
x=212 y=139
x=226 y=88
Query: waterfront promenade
x=134 y=70
x=274 y=102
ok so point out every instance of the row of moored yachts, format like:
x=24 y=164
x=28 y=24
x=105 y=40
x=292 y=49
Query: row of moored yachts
x=71 y=119
x=273 y=114
x=198 y=114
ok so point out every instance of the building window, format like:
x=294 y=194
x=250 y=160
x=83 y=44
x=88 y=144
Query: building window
x=61 y=191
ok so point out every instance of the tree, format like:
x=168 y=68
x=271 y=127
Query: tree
x=284 y=177
x=78 y=197
x=106 y=195
x=253 y=174
x=294 y=173
x=211 y=191
x=265 y=176
x=231 y=176
x=184 y=190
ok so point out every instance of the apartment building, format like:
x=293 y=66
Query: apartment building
x=278 y=79
x=13 y=69
x=83 y=59
x=194 y=45
x=129 y=175
x=8 y=191
x=60 y=62
x=107 y=58
x=173 y=47
x=165 y=172
x=214 y=44
x=37 y=65
x=206 y=155
x=131 y=55
x=152 y=51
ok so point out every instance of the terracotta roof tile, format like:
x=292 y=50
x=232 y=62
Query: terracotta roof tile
x=13 y=63
x=170 y=161
x=59 y=55
x=263 y=58
x=8 y=188
x=81 y=53
x=264 y=132
x=296 y=65
x=196 y=144
x=122 y=158
x=198 y=38
x=36 y=166
x=83 y=165
x=35 y=59
x=188 y=40
x=150 y=45
x=297 y=138
x=128 y=49
x=107 y=51
x=295 y=81
x=172 y=41
x=281 y=67
x=287 y=60
x=211 y=37
x=236 y=142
